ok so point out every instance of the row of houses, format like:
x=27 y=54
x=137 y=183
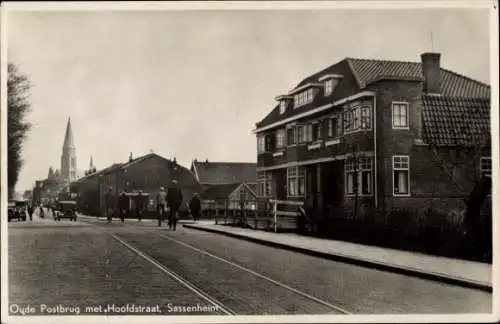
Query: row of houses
x=216 y=182
x=365 y=135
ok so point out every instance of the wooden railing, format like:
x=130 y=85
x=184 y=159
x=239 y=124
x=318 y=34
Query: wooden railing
x=283 y=219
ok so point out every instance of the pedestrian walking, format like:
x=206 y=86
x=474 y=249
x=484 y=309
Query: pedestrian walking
x=174 y=201
x=161 y=203
x=30 y=211
x=195 y=206
x=41 y=211
x=110 y=204
x=124 y=205
x=139 y=204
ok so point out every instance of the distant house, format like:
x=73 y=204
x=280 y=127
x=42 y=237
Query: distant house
x=233 y=196
x=220 y=181
x=218 y=173
x=367 y=134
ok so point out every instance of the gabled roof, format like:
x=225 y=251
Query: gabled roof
x=455 y=121
x=102 y=171
x=359 y=73
x=452 y=84
x=220 y=191
x=225 y=172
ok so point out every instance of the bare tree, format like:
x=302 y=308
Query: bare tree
x=18 y=91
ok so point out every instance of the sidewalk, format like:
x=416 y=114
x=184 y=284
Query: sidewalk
x=453 y=271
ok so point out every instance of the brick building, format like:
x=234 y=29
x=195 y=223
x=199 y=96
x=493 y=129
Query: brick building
x=368 y=134
x=147 y=173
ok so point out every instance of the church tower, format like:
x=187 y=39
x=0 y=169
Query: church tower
x=68 y=157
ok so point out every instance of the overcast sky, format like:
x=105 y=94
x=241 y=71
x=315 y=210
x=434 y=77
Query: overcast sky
x=192 y=84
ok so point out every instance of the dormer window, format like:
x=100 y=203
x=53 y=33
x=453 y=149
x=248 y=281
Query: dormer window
x=303 y=98
x=282 y=107
x=330 y=81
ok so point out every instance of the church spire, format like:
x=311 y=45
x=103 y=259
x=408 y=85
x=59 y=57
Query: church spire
x=68 y=157
x=68 y=136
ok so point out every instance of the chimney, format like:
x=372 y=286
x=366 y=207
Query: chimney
x=431 y=70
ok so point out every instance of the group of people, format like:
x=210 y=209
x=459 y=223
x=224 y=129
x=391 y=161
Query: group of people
x=168 y=201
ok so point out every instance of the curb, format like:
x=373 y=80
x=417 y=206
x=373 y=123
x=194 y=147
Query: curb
x=359 y=262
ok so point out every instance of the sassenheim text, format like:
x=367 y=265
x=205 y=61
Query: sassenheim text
x=192 y=308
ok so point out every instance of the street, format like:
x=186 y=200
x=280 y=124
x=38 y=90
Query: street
x=92 y=267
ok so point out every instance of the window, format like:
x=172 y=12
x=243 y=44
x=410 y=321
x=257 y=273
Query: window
x=269 y=142
x=264 y=184
x=365 y=117
x=309 y=133
x=301 y=134
x=303 y=98
x=261 y=144
x=334 y=127
x=401 y=175
x=357 y=117
x=399 y=115
x=485 y=166
x=328 y=87
x=291 y=136
x=296 y=182
x=316 y=131
x=280 y=138
x=282 y=106
x=73 y=163
x=358 y=173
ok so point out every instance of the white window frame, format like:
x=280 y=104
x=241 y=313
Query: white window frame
x=295 y=173
x=303 y=98
x=399 y=168
x=356 y=168
x=485 y=169
x=280 y=138
x=357 y=111
x=264 y=182
x=328 y=87
x=261 y=144
x=282 y=107
x=407 y=106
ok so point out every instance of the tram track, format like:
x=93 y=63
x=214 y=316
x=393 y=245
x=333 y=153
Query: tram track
x=236 y=268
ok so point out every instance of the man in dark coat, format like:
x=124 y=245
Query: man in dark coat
x=195 y=206
x=30 y=211
x=124 y=205
x=174 y=201
x=139 y=204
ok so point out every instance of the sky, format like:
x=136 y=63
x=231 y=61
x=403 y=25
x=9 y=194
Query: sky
x=192 y=84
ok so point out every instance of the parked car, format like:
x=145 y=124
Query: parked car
x=66 y=209
x=17 y=209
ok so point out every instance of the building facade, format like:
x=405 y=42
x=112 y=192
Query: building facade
x=365 y=135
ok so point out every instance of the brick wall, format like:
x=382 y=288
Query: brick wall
x=430 y=185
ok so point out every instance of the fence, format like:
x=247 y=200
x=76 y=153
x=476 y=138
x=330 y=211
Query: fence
x=229 y=212
x=272 y=218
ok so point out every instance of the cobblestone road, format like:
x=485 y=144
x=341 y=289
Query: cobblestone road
x=90 y=265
